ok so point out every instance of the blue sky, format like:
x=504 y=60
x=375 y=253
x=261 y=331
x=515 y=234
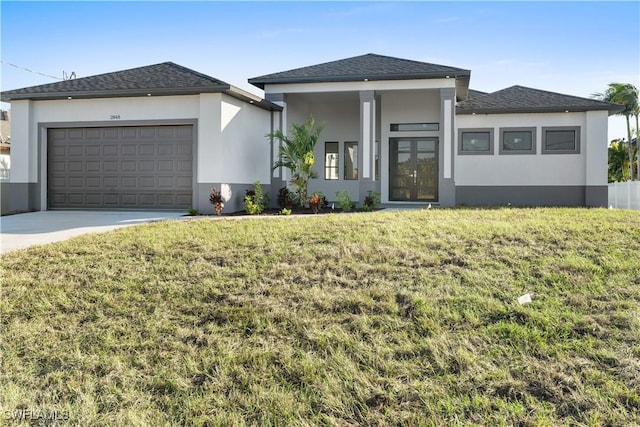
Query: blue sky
x=567 y=47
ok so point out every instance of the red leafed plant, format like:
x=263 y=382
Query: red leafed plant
x=216 y=200
x=314 y=203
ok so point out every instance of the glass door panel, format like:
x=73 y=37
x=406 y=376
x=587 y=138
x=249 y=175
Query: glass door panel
x=413 y=169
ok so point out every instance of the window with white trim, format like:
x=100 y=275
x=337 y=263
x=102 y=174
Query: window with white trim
x=331 y=160
x=351 y=160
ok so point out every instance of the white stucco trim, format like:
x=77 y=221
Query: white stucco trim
x=360 y=86
x=366 y=140
x=446 y=143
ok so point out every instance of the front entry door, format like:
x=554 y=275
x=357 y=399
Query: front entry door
x=413 y=169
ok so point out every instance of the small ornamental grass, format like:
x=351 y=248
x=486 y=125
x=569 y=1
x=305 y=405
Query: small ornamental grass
x=396 y=318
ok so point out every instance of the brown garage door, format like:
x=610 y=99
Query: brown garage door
x=120 y=167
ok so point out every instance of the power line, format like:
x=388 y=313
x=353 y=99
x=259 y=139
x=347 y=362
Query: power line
x=31 y=71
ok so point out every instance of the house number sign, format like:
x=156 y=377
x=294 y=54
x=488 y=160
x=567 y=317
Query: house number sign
x=115 y=117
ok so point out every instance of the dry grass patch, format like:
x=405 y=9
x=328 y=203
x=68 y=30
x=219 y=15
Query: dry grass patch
x=376 y=319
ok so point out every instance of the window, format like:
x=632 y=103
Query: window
x=351 y=160
x=561 y=140
x=404 y=127
x=475 y=141
x=517 y=140
x=331 y=156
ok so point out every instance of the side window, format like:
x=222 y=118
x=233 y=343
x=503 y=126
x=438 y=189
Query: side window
x=475 y=141
x=561 y=140
x=331 y=162
x=517 y=141
x=351 y=160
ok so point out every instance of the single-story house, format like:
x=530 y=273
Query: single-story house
x=161 y=136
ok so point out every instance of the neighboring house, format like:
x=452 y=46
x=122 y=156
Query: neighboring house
x=5 y=144
x=161 y=136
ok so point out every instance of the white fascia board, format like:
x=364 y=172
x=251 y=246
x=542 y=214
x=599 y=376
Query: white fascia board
x=360 y=86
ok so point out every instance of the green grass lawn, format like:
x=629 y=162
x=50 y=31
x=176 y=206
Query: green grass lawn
x=399 y=318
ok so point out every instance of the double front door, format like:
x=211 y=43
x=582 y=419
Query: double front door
x=413 y=169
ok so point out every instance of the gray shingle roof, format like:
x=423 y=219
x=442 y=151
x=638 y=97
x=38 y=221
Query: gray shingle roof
x=370 y=66
x=520 y=99
x=475 y=93
x=166 y=78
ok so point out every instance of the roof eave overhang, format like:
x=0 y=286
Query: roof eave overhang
x=530 y=110
x=262 y=82
x=118 y=93
x=227 y=89
x=250 y=98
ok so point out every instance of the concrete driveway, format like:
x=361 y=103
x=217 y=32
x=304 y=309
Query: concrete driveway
x=37 y=228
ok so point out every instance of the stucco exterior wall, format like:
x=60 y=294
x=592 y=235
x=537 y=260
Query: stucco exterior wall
x=529 y=169
x=341 y=118
x=231 y=146
x=246 y=151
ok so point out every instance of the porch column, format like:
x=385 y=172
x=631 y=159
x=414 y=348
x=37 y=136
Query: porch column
x=447 y=187
x=278 y=122
x=368 y=141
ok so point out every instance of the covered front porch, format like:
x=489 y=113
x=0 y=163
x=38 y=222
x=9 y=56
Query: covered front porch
x=395 y=141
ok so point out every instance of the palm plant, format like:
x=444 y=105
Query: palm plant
x=618 y=161
x=625 y=94
x=296 y=154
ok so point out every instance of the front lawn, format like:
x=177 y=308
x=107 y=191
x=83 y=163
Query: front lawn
x=367 y=319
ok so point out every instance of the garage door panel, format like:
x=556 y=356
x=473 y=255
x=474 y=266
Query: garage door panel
x=93 y=166
x=110 y=166
x=129 y=149
x=109 y=150
x=94 y=200
x=129 y=133
x=76 y=199
x=92 y=133
x=183 y=181
x=75 y=182
x=128 y=165
x=92 y=150
x=147 y=150
x=165 y=165
x=128 y=182
x=74 y=151
x=75 y=133
x=147 y=132
x=147 y=199
x=147 y=182
x=147 y=165
x=75 y=166
x=93 y=182
x=120 y=167
x=59 y=166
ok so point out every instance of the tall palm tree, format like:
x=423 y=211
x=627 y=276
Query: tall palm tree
x=296 y=154
x=625 y=94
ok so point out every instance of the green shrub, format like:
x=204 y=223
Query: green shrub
x=255 y=200
x=286 y=199
x=285 y=211
x=371 y=201
x=344 y=200
x=193 y=211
